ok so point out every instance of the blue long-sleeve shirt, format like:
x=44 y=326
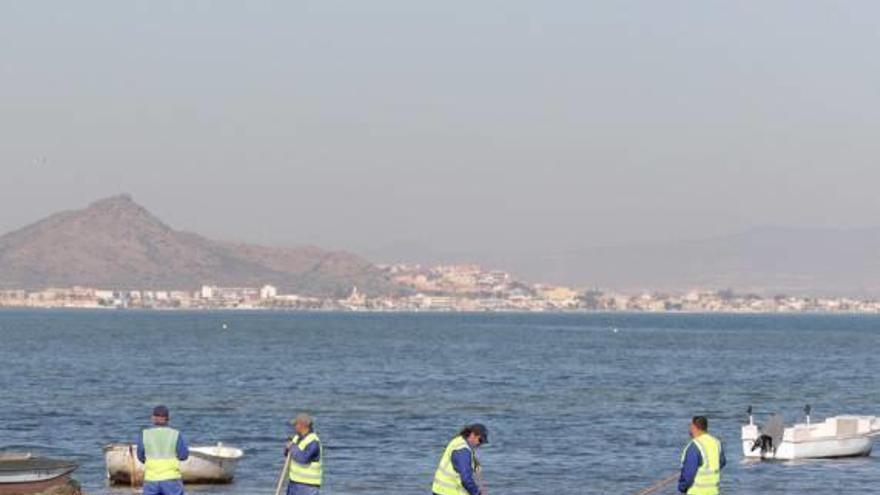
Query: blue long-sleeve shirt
x=182 y=448
x=312 y=452
x=461 y=462
x=692 y=461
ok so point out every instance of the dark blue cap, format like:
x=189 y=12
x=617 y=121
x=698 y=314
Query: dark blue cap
x=480 y=429
x=160 y=411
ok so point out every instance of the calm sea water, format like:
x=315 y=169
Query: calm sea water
x=573 y=407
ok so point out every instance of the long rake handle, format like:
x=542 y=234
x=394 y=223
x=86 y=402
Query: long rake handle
x=283 y=472
x=658 y=485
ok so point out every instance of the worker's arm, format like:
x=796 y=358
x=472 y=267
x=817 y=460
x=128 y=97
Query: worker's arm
x=692 y=461
x=182 y=448
x=723 y=460
x=291 y=441
x=312 y=453
x=461 y=462
x=141 y=453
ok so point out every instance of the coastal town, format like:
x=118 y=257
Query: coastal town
x=443 y=288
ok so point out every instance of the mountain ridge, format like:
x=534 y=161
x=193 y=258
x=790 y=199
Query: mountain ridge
x=117 y=243
x=765 y=260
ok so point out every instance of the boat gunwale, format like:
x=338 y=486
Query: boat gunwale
x=37 y=464
x=237 y=453
x=196 y=450
x=826 y=438
x=53 y=476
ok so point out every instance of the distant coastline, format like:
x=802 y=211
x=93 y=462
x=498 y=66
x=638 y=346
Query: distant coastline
x=624 y=312
x=458 y=289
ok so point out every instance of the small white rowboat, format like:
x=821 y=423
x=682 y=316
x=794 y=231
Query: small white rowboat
x=25 y=474
x=206 y=465
x=837 y=436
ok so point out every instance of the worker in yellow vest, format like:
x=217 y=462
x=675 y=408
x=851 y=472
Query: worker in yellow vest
x=456 y=472
x=160 y=449
x=306 y=457
x=702 y=461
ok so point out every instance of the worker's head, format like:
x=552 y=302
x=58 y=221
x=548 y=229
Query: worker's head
x=699 y=425
x=160 y=415
x=475 y=434
x=302 y=424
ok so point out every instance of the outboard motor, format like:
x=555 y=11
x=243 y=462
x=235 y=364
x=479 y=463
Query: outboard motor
x=763 y=442
x=770 y=435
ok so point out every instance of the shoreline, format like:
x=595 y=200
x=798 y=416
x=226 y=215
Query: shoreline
x=434 y=311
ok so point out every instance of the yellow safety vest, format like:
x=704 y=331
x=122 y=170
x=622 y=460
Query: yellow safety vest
x=311 y=473
x=708 y=476
x=447 y=481
x=160 y=449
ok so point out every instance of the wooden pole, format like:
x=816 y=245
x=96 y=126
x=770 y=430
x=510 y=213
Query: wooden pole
x=481 y=482
x=283 y=472
x=133 y=476
x=659 y=484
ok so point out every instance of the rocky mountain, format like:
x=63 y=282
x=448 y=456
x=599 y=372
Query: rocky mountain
x=116 y=243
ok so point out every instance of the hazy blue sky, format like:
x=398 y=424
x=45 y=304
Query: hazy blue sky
x=460 y=125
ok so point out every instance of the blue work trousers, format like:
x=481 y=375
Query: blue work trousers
x=298 y=489
x=168 y=487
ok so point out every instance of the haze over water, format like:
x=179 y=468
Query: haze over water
x=572 y=406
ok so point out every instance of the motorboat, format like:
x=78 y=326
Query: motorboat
x=836 y=436
x=206 y=464
x=24 y=473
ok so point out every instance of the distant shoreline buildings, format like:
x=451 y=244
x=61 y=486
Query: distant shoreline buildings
x=453 y=288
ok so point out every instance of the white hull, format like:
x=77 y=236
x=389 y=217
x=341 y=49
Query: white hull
x=25 y=474
x=206 y=465
x=851 y=447
x=33 y=475
x=840 y=436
